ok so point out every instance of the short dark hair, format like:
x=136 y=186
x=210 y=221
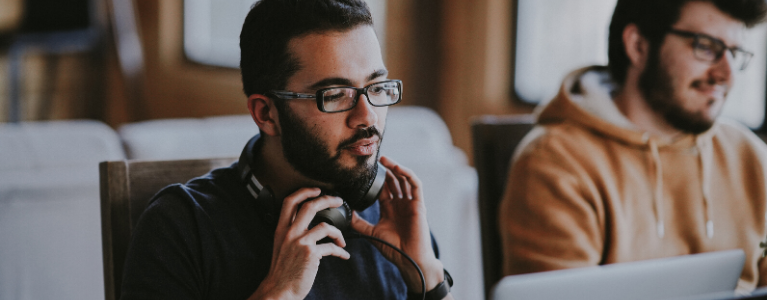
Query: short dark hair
x=265 y=63
x=655 y=17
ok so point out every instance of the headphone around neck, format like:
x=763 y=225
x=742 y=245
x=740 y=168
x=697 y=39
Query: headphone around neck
x=339 y=217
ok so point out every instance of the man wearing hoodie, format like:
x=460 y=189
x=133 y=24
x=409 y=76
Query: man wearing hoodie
x=629 y=162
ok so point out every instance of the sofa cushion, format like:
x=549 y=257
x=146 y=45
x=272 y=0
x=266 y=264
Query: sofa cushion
x=190 y=138
x=50 y=224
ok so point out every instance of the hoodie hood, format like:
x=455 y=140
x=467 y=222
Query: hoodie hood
x=585 y=98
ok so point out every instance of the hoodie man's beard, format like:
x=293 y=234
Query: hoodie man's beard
x=655 y=83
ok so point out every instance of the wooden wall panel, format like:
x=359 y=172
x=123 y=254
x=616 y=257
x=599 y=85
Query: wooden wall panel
x=477 y=64
x=176 y=87
x=454 y=56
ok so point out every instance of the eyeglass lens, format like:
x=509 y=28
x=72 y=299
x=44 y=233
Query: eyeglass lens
x=379 y=94
x=710 y=50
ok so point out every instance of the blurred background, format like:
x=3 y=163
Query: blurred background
x=147 y=59
x=159 y=80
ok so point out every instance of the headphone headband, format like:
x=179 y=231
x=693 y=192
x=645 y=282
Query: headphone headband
x=262 y=195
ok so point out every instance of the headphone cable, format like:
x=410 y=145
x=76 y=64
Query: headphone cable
x=420 y=273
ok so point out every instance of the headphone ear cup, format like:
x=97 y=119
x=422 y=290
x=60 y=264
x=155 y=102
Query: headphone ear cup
x=373 y=190
x=266 y=202
x=340 y=217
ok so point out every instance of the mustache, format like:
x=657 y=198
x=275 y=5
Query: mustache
x=361 y=134
x=709 y=82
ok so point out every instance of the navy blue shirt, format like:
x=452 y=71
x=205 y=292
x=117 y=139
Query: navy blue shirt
x=208 y=240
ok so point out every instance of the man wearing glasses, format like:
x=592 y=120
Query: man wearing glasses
x=629 y=161
x=318 y=90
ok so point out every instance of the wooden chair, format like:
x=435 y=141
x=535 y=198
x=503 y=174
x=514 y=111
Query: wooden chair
x=494 y=140
x=126 y=188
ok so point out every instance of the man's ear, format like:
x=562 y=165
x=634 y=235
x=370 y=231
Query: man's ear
x=264 y=113
x=637 y=47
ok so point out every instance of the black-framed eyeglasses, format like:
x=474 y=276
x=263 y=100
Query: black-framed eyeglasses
x=711 y=49
x=343 y=98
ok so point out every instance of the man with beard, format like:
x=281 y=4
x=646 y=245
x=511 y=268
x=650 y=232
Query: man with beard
x=318 y=90
x=629 y=161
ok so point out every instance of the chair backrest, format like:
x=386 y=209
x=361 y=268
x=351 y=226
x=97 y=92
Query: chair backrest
x=126 y=188
x=494 y=140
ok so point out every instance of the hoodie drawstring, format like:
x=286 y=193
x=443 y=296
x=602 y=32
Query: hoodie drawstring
x=706 y=157
x=658 y=195
x=658 y=192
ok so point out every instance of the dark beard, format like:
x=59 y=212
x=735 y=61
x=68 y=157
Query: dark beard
x=311 y=157
x=655 y=85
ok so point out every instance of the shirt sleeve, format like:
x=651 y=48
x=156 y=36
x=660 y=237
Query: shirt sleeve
x=547 y=219
x=164 y=255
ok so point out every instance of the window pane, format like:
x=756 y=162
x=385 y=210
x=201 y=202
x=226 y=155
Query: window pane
x=745 y=102
x=212 y=31
x=555 y=37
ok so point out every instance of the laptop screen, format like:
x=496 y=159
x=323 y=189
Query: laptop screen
x=666 y=278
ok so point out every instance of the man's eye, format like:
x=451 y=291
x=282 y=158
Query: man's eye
x=704 y=46
x=376 y=89
x=707 y=47
x=334 y=97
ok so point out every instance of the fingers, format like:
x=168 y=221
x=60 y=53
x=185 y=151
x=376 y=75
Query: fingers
x=405 y=186
x=290 y=205
x=393 y=184
x=361 y=225
x=288 y=211
x=408 y=183
x=332 y=249
x=296 y=254
x=323 y=230
x=298 y=231
x=310 y=208
x=385 y=201
x=292 y=223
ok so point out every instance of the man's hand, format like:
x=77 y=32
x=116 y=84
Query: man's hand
x=403 y=224
x=296 y=254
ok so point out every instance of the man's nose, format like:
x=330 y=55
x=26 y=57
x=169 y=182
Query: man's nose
x=363 y=114
x=722 y=69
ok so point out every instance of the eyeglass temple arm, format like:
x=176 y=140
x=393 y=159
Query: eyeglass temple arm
x=293 y=95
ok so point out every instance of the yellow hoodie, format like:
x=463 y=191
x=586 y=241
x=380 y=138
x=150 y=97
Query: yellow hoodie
x=587 y=188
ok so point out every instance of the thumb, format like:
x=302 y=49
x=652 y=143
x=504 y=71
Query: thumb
x=361 y=225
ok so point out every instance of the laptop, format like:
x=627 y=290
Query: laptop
x=665 y=278
x=758 y=294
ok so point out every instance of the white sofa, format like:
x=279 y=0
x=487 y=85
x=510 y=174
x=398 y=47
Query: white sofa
x=50 y=229
x=168 y=139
